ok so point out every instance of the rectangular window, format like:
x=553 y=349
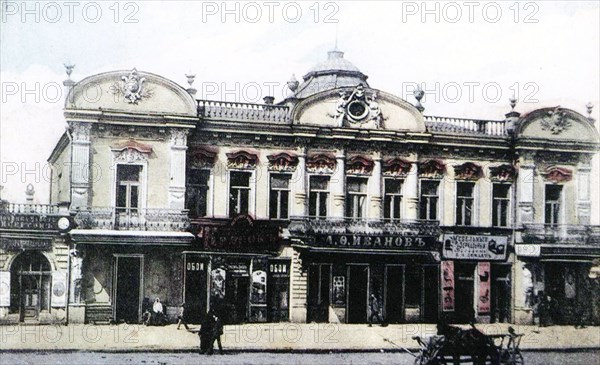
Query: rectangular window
x=239 y=192
x=428 y=202
x=500 y=204
x=319 y=196
x=392 y=203
x=356 y=197
x=464 y=203
x=553 y=197
x=128 y=188
x=279 y=196
x=197 y=192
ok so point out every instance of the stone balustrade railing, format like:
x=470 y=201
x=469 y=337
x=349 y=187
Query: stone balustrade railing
x=29 y=216
x=132 y=219
x=561 y=233
x=225 y=110
x=471 y=126
x=314 y=225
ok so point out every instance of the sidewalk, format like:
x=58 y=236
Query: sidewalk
x=270 y=337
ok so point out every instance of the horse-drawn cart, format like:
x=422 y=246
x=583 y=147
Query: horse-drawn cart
x=457 y=346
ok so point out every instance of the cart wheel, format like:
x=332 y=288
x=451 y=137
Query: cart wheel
x=508 y=358
x=518 y=358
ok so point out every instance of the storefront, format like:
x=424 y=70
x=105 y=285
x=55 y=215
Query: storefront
x=239 y=271
x=351 y=277
x=475 y=278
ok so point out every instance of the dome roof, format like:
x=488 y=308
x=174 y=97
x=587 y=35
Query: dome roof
x=335 y=72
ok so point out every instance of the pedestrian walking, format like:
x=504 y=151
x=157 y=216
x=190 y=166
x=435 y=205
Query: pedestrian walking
x=207 y=333
x=182 y=317
x=375 y=310
x=217 y=331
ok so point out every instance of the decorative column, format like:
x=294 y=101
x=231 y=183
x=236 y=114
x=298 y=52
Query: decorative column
x=338 y=185
x=525 y=188
x=411 y=189
x=584 y=204
x=80 y=164
x=299 y=179
x=177 y=173
x=376 y=211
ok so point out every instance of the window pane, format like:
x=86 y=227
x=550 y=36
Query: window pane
x=312 y=204
x=393 y=186
x=501 y=190
x=284 y=205
x=357 y=185
x=239 y=178
x=134 y=197
x=280 y=181
x=323 y=204
x=319 y=182
x=244 y=195
x=121 y=196
x=128 y=172
x=429 y=187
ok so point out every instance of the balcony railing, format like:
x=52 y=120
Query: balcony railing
x=314 y=225
x=133 y=219
x=29 y=216
x=225 y=110
x=562 y=233
x=466 y=126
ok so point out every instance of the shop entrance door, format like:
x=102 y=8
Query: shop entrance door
x=358 y=290
x=319 y=283
x=195 y=288
x=30 y=297
x=394 y=294
x=431 y=300
x=31 y=277
x=501 y=293
x=465 y=290
x=237 y=295
x=127 y=294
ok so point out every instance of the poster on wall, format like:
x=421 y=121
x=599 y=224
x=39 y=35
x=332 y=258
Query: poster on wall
x=59 y=289
x=483 y=301
x=569 y=283
x=447 y=286
x=217 y=283
x=4 y=288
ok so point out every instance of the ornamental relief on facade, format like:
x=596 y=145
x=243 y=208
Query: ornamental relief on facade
x=130 y=155
x=81 y=131
x=556 y=121
x=359 y=165
x=179 y=137
x=201 y=158
x=320 y=164
x=432 y=169
x=468 y=171
x=557 y=174
x=132 y=88
x=502 y=173
x=282 y=162
x=241 y=160
x=396 y=167
x=357 y=108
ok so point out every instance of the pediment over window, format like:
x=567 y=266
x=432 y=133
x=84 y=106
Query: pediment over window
x=241 y=160
x=321 y=163
x=201 y=157
x=359 y=165
x=433 y=169
x=132 y=144
x=468 y=171
x=396 y=167
x=557 y=174
x=503 y=173
x=131 y=151
x=283 y=162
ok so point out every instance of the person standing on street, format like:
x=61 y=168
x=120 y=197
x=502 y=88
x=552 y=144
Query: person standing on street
x=181 y=318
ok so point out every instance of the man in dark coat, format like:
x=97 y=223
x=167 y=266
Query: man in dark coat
x=207 y=333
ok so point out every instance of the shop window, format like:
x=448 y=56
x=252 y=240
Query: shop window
x=500 y=204
x=197 y=192
x=279 y=196
x=464 y=203
x=356 y=197
x=239 y=192
x=552 y=205
x=128 y=188
x=428 y=202
x=392 y=203
x=319 y=196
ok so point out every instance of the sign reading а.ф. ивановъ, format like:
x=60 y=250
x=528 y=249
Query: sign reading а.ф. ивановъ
x=473 y=247
x=425 y=243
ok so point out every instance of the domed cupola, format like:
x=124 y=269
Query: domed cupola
x=335 y=72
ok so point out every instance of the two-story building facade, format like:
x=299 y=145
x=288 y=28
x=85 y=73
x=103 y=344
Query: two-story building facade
x=338 y=199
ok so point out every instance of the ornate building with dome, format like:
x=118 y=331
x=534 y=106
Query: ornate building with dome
x=341 y=203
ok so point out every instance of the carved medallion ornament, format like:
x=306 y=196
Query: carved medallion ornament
x=241 y=160
x=283 y=162
x=396 y=167
x=357 y=108
x=320 y=164
x=502 y=173
x=432 y=169
x=201 y=158
x=132 y=88
x=557 y=174
x=359 y=165
x=131 y=151
x=468 y=171
x=556 y=121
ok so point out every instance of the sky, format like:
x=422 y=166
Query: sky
x=470 y=57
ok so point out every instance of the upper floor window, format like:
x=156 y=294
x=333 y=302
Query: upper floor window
x=500 y=204
x=239 y=192
x=552 y=205
x=279 y=196
x=428 y=202
x=197 y=192
x=319 y=196
x=356 y=197
x=392 y=203
x=464 y=203
x=128 y=187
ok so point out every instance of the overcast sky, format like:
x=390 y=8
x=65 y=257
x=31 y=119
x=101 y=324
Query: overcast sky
x=470 y=56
